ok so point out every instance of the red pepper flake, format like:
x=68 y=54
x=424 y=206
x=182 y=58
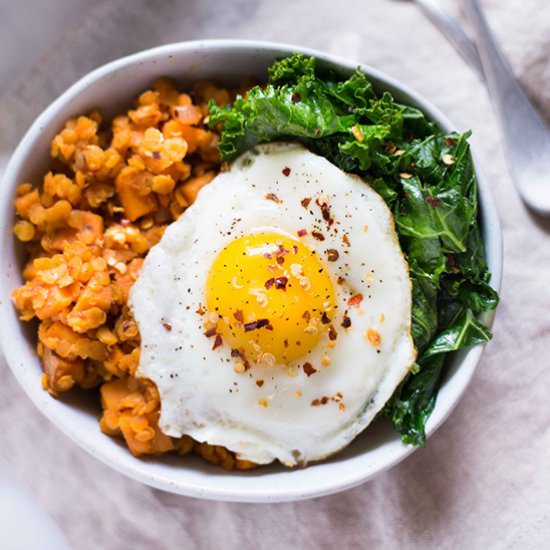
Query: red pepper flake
x=167 y=326
x=318 y=235
x=201 y=310
x=156 y=155
x=323 y=401
x=217 y=341
x=332 y=255
x=332 y=334
x=281 y=251
x=285 y=343
x=433 y=201
x=295 y=249
x=210 y=332
x=345 y=239
x=295 y=97
x=260 y=323
x=286 y=171
x=273 y=197
x=324 y=318
x=346 y=322
x=238 y=315
x=306 y=315
x=355 y=300
x=259 y=383
x=341 y=280
x=305 y=202
x=280 y=283
x=308 y=369
x=449 y=142
x=302 y=232
x=278 y=254
x=269 y=283
x=325 y=212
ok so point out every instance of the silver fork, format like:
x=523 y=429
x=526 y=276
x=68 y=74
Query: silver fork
x=526 y=135
x=450 y=28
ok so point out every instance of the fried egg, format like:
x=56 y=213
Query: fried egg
x=275 y=314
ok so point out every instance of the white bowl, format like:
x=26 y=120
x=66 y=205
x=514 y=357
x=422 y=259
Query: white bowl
x=111 y=88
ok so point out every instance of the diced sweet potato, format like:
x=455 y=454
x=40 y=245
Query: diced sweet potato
x=43 y=301
x=97 y=293
x=53 y=270
x=188 y=114
x=69 y=344
x=144 y=438
x=125 y=403
x=190 y=189
x=89 y=226
x=57 y=300
x=87 y=319
x=113 y=393
x=135 y=204
x=61 y=374
x=58 y=240
x=193 y=136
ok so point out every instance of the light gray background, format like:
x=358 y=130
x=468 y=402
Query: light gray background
x=484 y=479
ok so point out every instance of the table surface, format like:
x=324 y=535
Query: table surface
x=484 y=478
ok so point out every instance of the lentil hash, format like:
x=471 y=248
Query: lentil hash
x=111 y=192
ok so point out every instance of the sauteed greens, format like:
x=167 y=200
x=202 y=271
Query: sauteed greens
x=426 y=178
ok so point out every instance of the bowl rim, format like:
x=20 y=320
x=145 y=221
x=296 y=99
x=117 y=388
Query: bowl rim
x=139 y=471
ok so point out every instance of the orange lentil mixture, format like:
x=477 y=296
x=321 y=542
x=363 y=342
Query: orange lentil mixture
x=112 y=191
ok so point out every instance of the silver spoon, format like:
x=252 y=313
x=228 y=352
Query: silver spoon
x=526 y=135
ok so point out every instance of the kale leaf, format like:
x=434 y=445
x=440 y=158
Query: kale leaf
x=426 y=178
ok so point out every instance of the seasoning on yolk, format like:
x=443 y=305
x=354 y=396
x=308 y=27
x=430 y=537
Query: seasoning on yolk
x=270 y=292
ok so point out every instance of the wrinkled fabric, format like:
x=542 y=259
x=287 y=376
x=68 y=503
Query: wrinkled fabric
x=484 y=479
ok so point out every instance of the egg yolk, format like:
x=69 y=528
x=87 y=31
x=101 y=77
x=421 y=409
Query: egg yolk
x=272 y=295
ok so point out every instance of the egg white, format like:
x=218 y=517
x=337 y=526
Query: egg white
x=201 y=395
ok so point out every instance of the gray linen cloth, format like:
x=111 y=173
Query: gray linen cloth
x=484 y=479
